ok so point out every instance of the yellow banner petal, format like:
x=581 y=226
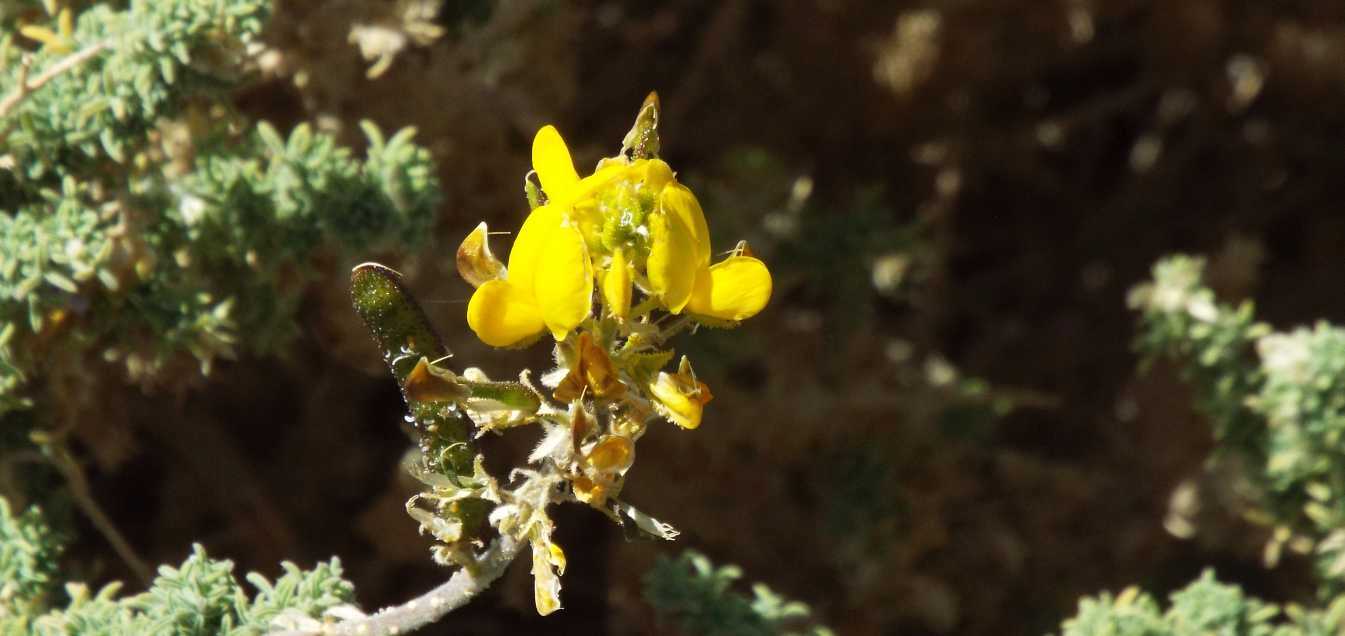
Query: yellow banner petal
x=555 y=169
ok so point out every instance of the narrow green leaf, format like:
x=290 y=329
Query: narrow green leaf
x=404 y=337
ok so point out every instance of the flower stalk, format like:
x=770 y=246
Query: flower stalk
x=611 y=265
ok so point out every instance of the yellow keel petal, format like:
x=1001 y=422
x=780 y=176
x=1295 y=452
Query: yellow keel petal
x=502 y=315
x=555 y=169
x=616 y=286
x=672 y=260
x=677 y=200
x=733 y=289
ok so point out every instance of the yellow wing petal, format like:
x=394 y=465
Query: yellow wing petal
x=531 y=243
x=502 y=315
x=677 y=200
x=672 y=260
x=563 y=282
x=555 y=169
x=733 y=289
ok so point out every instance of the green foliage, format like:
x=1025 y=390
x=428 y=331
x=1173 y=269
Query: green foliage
x=199 y=597
x=696 y=595
x=1205 y=607
x=306 y=592
x=143 y=221
x=161 y=55
x=1214 y=342
x=140 y=219
x=1276 y=400
x=28 y=553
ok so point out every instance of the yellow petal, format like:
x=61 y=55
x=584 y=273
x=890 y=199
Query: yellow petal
x=502 y=315
x=563 y=282
x=733 y=289
x=616 y=286
x=677 y=200
x=531 y=242
x=555 y=169
x=656 y=173
x=671 y=267
x=603 y=176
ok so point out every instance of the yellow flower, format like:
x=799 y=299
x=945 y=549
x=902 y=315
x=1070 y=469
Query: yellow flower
x=679 y=267
x=681 y=397
x=630 y=219
x=549 y=279
x=548 y=285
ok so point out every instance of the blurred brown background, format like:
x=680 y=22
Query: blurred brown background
x=937 y=425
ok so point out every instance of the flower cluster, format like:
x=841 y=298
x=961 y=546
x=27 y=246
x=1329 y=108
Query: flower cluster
x=629 y=224
x=611 y=265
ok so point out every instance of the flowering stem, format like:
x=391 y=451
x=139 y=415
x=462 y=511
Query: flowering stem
x=431 y=606
x=25 y=86
x=59 y=458
x=647 y=305
x=675 y=327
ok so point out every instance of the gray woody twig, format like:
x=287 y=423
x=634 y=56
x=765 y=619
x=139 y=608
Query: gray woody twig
x=431 y=606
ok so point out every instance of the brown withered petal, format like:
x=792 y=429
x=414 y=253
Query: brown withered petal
x=427 y=383
x=579 y=426
x=743 y=249
x=589 y=492
x=592 y=371
x=612 y=454
x=476 y=264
